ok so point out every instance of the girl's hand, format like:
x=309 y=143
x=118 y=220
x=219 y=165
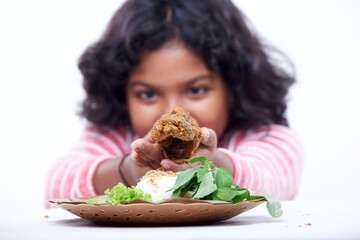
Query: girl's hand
x=207 y=148
x=146 y=153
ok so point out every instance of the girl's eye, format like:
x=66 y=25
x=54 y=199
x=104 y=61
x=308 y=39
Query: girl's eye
x=147 y=95
x=196 y=91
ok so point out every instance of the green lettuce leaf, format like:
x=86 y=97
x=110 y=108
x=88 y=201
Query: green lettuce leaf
x=121 y=194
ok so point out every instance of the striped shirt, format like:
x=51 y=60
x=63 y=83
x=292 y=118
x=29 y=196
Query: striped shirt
x=269 y=159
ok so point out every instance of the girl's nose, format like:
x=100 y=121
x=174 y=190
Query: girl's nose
x=171 y=103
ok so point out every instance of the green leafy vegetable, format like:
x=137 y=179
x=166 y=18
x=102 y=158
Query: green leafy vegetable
x=224 y=194
x=274 y=207
x=207 y=186
x=209 y=182
x=241 y=195
x=223 y=177
x=121 y=194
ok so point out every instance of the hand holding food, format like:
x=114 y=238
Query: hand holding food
x=175 y=136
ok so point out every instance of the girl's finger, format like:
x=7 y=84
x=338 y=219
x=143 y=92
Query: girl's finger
x=153 y=164
x=209 y=137
x=147 y=150
x=147 y=153
x=173 y=166
x=138 y=160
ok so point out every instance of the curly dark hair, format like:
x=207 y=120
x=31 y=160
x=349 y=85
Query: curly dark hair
x=215 y=30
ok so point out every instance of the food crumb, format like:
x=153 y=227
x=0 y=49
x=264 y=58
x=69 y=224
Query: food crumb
x=286 y=226
x=160 y=172
x=299 y=226
x=229 y=225
x=308 y=224
x=46 y=216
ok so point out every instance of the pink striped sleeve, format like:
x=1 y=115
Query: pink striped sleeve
x=271 y=160
x=72 y=175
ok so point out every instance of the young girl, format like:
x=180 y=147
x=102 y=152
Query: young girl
x=197 y=55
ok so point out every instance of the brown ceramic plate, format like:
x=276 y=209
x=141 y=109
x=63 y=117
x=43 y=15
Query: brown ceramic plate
x=176 y=211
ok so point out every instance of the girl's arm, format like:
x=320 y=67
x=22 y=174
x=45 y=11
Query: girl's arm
x=270 y=160
x=74 y=174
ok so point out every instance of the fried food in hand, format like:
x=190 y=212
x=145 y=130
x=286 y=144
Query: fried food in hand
x=177 y=134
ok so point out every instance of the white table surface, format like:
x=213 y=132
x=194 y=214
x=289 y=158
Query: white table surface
x=301 y=220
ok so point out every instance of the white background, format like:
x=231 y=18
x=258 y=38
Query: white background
x=40 y=90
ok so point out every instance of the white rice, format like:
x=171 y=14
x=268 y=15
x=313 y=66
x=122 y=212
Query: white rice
x=157 y=183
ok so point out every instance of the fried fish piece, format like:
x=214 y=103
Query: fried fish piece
x=177 y=134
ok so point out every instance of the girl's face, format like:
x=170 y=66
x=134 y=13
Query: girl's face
x=174 y=76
